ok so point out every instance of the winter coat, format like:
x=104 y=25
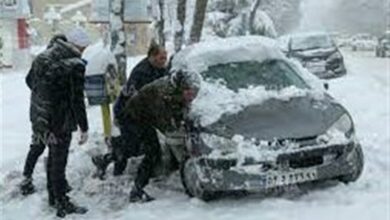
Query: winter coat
x=158 y=105
x=142 y=74
x=56 y=81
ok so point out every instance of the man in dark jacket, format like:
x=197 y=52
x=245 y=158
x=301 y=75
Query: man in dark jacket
x=161 y=105
x=56 y=81
x=149 y=69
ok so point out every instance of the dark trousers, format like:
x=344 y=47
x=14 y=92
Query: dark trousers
x=152 y=151
x=125 y=146
x=37 y=148
x=56 y=164
x=136 y=140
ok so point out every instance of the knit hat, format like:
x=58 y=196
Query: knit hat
x=78 y=36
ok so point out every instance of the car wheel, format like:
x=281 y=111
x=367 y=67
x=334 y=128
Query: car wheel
x=191 y=186
x=184 y=179
x=357 y=161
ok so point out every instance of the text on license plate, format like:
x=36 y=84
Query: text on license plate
x=289 y=178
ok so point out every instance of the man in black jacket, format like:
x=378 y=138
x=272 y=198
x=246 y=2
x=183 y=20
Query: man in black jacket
x=161 y=105
x=56 y=81
x=148 y=70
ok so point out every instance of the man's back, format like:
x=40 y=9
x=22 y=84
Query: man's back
x=142 y=74
x=156 y=104
x=55 y=77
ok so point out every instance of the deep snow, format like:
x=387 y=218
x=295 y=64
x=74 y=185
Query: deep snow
x=364 y=92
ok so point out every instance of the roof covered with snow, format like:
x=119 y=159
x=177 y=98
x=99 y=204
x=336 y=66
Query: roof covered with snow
x=199 y=57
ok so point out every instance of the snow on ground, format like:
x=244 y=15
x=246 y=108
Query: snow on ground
x=364 y=92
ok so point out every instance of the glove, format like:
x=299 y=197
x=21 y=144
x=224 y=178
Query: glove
x=83 y=137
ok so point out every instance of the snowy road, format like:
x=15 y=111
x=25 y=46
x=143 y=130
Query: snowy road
x=365 y=92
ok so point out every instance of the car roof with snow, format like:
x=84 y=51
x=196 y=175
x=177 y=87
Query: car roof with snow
x=200 y=56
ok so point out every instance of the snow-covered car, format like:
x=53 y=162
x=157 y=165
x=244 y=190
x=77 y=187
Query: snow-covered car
x=262 y=122
x=383 y=47
x=317 y=52
x=363 y=42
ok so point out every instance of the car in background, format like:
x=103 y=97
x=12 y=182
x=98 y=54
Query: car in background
x=363 y=42
x=260 y=123
x=383 y=47
x=317 y=52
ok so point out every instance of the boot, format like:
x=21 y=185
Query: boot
x=65 y=207
x=26 y=186
x=139 y=195
x=101 y=162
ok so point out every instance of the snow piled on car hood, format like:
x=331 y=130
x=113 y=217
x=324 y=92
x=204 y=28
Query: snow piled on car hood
x=215 y=99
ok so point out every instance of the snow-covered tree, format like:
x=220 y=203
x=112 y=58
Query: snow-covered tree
x=199 y=17
x=260 y=17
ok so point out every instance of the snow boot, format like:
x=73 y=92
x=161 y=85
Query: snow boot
x=27 y=187
x=101 y=163
x=139 y=195
x=65 y=207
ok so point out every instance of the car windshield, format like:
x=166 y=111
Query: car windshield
x=311 y=42
x=272 y=74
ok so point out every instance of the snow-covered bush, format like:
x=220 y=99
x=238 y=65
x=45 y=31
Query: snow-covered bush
x=227 y=18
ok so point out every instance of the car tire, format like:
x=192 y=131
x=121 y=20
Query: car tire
x=193 y=190
x=357 y=161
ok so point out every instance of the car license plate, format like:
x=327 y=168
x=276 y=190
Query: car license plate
x=289 y=178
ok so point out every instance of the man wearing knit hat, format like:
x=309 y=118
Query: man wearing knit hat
x=56 y=81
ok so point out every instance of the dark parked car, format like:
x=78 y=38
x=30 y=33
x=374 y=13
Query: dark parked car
x=317 y=52
x=260 y=123
x=383 y=47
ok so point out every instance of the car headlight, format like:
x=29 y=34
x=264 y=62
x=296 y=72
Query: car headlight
x=343 y=124
x=218 y=144
x=335 y=56
x=342 y=129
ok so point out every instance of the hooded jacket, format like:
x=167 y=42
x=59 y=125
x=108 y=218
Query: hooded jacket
x=56 y=81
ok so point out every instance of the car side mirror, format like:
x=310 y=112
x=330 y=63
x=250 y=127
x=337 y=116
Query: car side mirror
x=326 y=86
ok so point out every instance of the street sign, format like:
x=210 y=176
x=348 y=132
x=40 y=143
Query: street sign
x=100 y=12
x=136 y=11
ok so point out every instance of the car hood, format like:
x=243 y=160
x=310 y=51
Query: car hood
x=321 y=52
x=277 y=119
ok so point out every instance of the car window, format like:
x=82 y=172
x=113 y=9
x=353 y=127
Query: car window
x=311 y=42
x=272 y=74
